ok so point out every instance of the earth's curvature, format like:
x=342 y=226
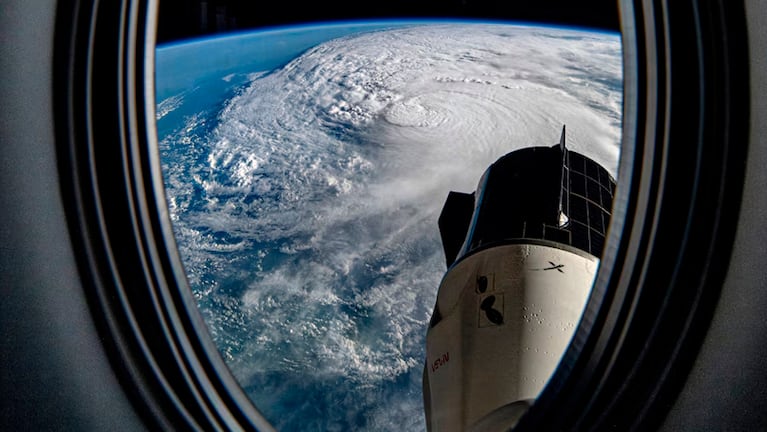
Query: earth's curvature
x=305 y=191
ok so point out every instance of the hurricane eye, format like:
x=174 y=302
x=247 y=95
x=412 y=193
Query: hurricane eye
x=305 y=171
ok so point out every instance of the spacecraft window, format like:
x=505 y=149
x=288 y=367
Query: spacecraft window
x=305 y=167
x=254 y=215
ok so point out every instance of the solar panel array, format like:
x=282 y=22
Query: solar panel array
x=589 y=192
x=547 y=193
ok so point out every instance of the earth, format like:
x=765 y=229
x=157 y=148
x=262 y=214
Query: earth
x=305 y=169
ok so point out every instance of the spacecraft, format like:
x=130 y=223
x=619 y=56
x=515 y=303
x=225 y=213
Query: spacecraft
x=521 y=253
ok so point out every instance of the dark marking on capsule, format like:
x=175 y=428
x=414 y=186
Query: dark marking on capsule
x=493 y=315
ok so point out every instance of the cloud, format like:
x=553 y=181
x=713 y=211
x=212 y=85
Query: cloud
x=307 y=215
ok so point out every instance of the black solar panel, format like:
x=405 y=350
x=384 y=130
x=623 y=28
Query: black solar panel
x=593 y=192
x=597 y=243
x=530 y=194
x=556 y=234
x=592 y=170
x=607 y=199
x=579 y=235
x=578 y=209
x=534 y=230
x=577 y=162
x=595 y=218
x=578 y=183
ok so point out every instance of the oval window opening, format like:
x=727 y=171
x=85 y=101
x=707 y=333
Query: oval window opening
x=320 y=177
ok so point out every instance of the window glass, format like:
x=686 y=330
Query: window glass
x=305 y=170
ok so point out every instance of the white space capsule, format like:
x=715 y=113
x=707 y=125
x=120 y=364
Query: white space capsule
x=522 y=252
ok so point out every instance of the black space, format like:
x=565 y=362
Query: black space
x=180 y=19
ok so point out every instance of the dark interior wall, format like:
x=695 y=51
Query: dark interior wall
x=179 y=19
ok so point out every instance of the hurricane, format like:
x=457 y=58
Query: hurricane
x=305 y=201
